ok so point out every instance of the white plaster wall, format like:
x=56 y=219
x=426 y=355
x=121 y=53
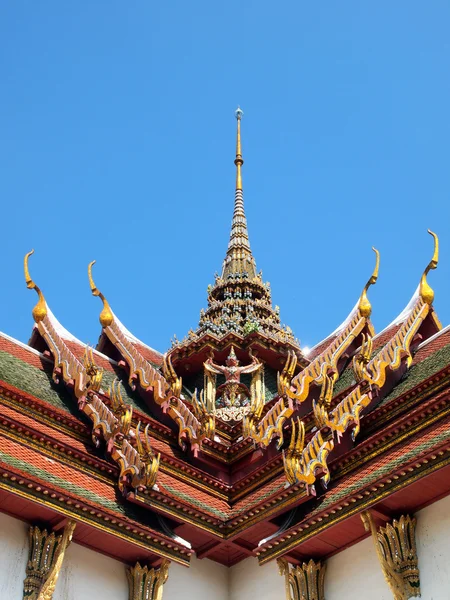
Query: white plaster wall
x=355 y=573
x=88 y=574
x=203 y=580
x=249 y=581
x=13 y=557
x=433 y=549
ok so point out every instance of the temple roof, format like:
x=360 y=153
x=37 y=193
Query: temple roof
x=111 y=437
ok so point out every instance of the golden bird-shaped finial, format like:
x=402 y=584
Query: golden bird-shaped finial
x=106 y=316
x=365 y=308
x=40 y=310
x=426 y=292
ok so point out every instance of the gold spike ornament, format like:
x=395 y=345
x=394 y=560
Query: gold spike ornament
x=39 y=312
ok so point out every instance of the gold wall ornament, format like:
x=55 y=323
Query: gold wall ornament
x=106 y=316
x=396 y=550
x=40 y=310
x=426 y=292
x=365 y=308
x=145 y=583
x=45 y=558
x=303 y=582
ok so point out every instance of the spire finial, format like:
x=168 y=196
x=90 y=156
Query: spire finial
x=238 y=161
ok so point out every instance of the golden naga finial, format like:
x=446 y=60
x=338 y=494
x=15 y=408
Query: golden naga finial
x=238 y=161
x=426 y=292
x=40 y=310
x=365 y=308
x=292 y=455
x=106 y=316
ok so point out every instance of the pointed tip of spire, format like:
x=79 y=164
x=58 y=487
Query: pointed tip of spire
x=238 y=161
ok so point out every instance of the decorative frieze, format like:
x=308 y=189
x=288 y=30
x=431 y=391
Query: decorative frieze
x=45 y=558
x=396 y=549
x=145 y=583
x=303 y=582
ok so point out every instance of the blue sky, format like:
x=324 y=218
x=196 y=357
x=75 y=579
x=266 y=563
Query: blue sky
x=118 y=145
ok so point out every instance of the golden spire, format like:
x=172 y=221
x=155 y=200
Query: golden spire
x=239 y=258
x=106 y=316
x=40 y=310
x=365 y=308
x=238 y=161
x=426 y=292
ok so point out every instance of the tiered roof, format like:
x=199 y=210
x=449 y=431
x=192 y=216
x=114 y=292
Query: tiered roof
x=150 y=469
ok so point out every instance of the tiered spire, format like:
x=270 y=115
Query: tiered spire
x=239 y=260
x=239 y=301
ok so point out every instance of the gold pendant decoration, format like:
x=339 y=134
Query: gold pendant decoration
x=145 y=583
x=304 y=582
x=45 y=558
x=396 y=549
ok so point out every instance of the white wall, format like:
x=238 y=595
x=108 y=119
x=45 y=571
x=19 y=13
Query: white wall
x=88 y=574
x=249 y=581
x=355 y=573
x=203 y=580
x=433 y=548
x=13 y=557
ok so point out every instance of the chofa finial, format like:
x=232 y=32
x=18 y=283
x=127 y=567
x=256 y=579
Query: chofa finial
x=426 y=292
x=106 y=316
x=365 y=308
x=40 y=310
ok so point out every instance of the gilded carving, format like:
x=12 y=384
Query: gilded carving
x=166 y=387
x=303 y=582
x=45 y=558
x=305 y=463
x=233 y=392
x=145 y=583
x=396 y=549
